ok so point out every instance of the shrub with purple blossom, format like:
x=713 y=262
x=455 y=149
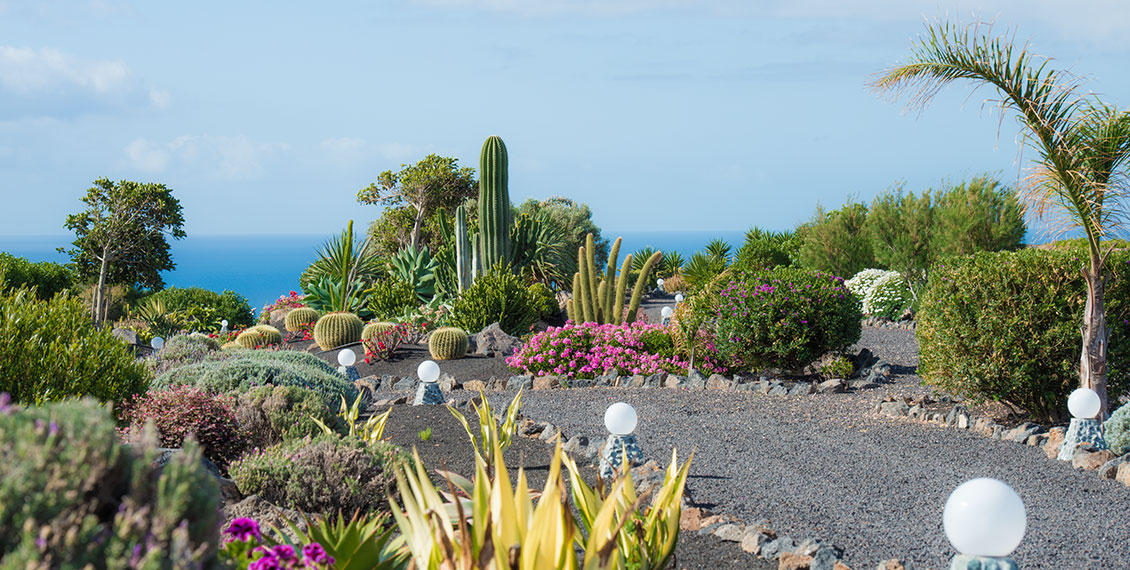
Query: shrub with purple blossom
x=588 y=350
x=183 y=411
x=785 y=318
x=244 y=547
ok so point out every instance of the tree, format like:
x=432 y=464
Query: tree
x=981 y=215
x=571 y=220
x=434 y=182
x=837 y=241
x=901 y=228
x=121 y=236
x=1082 y=144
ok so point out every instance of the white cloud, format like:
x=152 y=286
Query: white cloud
x=159 y=98
x=220 y=157
x=29 y=71
x=354 y=150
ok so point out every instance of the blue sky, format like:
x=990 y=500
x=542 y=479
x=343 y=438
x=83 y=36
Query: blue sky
x=267 y=117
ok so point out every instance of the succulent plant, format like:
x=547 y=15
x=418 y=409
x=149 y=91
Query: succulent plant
x=337 y=329
x=271 y=335
x=371 y=330
x=448 y=343
x=600 y=299
x=494 y=204
x=300 y=318
x=251 y=338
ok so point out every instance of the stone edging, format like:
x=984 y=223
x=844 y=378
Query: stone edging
x=1104 y=462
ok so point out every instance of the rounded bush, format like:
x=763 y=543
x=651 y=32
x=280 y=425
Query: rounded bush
x=45 y=277
x=448 y=343
x=1004 y=326
x=272 y=414
x=390 y=298
x=203 y=310
x=545 y=303
x=51 y=351
x=74 y=497
x=182 y=350
x=759 y=255
x=371 y=330
x=785 y=318
x=861 y=283
x=1117 y=430
x=337 y=329
x=182 y=411
x=888 y=297
x=499 y=296
x=321 y=475
x=300 y=318
x=243 y=370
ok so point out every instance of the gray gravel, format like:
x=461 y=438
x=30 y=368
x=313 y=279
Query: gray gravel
x=825 y=466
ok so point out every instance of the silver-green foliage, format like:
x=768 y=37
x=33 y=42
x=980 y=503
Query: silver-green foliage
x=1117 y=430
x=242 y=370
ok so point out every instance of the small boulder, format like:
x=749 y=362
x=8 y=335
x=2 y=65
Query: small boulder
x=775 y=548
x=790 y=561
x=754 y=541
x=1090 y=460
x=892 y=564
x=695 y=380
x=730 y=532
x=833 y=386
x=520 y=382
x=893 y=408
x=546 y=382
x=1055 y=440
x=493 y=341
x=690 y=519
x=863 y=384
x=778 y=390
x=1123 y=474
x=474 y=385
x=718 y=382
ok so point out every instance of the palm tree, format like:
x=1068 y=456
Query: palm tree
x=1082 y=143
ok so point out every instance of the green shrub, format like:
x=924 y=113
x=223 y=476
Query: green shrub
x=545 y=302
x=72 y=496
x=322 y=475
x=785 y=318
x=760 y=254
x=390 y=298
x=245 y=369
x=837 y=242
x=658 y=342
x=498 y=296
x=273 y=414
x=47 y=278
x=888 y=297
x=51 y=351
x=1117 y=430
x=838 y=367
x=184 y=349
x=1004 y=327
x=202 y=310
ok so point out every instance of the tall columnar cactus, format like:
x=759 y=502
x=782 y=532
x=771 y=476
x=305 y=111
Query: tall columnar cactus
x=300 y=318
x=337 y=329
x=463 y=254
x=600 y=299
x=448 y=343
x=494 y=204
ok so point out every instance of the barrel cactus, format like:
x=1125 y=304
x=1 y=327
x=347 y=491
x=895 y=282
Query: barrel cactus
x=271 y=335
x=251 y=338
x=300 y=318
x=371 y=330
x=337 y=329
x=448 y=343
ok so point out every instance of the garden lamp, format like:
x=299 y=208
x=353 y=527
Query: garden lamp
x=984 y=520
x=224 y=326
x=157 y=343
x=428 y=392
x=346 y=358
x=678 y=298
x=666 y=312
x=659 y=283
x=620 y=419
x=1084 y=405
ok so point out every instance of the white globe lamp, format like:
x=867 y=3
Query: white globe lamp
x=984 y=518
x=346 y=357
x=224 y=323
x=666 y=312
x=428 y=371
x=620 y=419
x=659 y=282
x=1084 y=403
x=157 y=343
x=679 y=297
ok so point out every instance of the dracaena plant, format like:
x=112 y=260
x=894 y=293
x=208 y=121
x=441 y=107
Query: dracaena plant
x=492 y=434
x=371 y=431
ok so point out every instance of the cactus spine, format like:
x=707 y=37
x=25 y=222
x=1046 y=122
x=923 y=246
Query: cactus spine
x=463 y=254
x=600 y=299
x=300 y=318
x=494 y=204
x=448 y=343
x=337 y=329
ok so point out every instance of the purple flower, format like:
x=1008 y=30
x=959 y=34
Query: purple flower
x=243 y=529
x=268 y=562
x=284 y=552
x=313 y=553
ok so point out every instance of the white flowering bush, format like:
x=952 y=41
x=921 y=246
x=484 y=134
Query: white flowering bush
x=861 y=284
x=889 y=296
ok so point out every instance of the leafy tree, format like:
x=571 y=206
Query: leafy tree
x=571 y=220
x=981 y=215
x=1082 y=144
x=121 y=236
x=416 y=191
x=47 y=278
x=837 y=241
x=901 y=228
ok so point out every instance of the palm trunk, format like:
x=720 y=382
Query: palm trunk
x=1096 y=336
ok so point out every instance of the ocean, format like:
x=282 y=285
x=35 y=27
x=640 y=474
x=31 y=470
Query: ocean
x=262 y=268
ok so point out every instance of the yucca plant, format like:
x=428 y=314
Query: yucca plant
x=718 y=249
x=161 y=321
x=345 y=261
x=670 y=264
x=701 y=269
x=1083 y=148
x=644 y=540
x=492 y=434
x=369 y=432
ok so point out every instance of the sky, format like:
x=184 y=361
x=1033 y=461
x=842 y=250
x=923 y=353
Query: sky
x=662 y=115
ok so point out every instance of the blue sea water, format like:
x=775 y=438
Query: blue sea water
x=262 y=268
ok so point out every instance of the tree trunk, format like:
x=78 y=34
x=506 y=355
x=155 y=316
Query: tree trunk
x=1092 y=361
x=99 y=296
x=416 y=227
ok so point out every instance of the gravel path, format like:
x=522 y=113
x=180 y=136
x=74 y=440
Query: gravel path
x=825 y=466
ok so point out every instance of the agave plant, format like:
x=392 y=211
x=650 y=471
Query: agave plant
x=361 y=543
x=416 y=268
x=160 y=320
x=329 y=295
x=701 y=269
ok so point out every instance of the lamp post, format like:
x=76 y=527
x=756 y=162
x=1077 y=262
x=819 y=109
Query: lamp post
x=346 y=358
x=428 y=392
x=984 y=520
x=659 y=284
x=620 y=419
x=666 y=313
x=157 y=343
x=1084 y=405
x=223 y=326
x=678 y=299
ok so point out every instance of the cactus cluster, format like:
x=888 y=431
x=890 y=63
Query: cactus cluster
x=337 y=329
x=371 y=330
x=448 y=343
x=494 y=204
x=300 y=318
x=600 y=298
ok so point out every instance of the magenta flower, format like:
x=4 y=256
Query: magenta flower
x=242 y=529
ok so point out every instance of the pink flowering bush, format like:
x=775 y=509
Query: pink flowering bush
x=785 y=318
x=588 y=350
x=244 y=547
x=291 y=301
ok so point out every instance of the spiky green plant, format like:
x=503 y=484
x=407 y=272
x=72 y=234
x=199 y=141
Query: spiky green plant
x=364 y=542
x=337 y=329
x=600 y=298
x=339 y=280
x=1082 y=144
x=671 y=263
x=161 y=321
x=300 y=318
x=463 y=252
x=491 y=432
x=494 y=204
x=417 y=268
x=448 y=343
x=718 y=249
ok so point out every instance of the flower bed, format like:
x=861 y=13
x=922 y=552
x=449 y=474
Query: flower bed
x=588 y=350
